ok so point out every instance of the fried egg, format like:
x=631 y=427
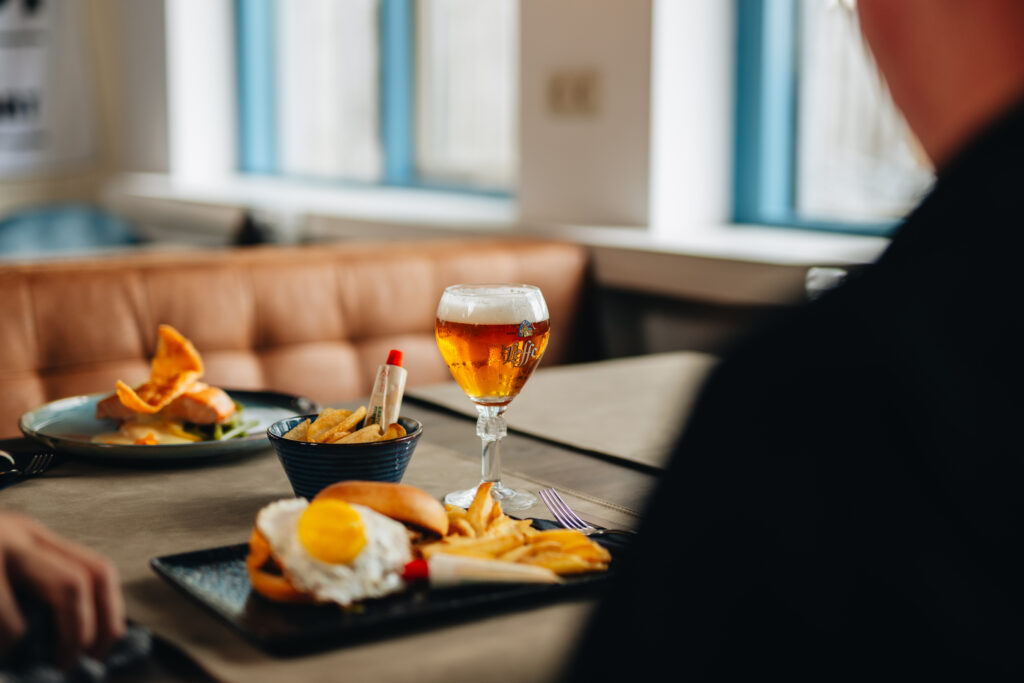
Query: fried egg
x=336 y=551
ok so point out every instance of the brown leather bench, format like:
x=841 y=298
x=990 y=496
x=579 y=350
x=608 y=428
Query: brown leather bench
x=310 y=320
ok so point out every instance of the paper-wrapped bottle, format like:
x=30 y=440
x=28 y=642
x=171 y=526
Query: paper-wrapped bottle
x=447 y=571
x=388 y=388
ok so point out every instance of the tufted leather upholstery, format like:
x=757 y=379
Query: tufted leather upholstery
x=311 y=320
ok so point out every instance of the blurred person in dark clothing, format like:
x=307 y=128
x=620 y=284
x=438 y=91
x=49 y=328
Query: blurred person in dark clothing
x=847 y=500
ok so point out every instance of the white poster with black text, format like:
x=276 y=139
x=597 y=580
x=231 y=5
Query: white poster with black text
x=47 y=117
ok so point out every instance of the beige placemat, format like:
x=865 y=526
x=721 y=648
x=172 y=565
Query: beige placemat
x=629 y=408
x=135 y=514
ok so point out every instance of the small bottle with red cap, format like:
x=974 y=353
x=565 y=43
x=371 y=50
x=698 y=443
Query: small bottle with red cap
x=388 y=388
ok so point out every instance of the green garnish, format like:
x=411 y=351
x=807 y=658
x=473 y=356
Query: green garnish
x=240 y=430
x=233 y=428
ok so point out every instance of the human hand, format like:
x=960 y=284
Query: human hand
x=79 y=585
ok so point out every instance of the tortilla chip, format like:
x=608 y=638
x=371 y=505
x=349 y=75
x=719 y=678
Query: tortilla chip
x=175 y=367
x=175 y=355
x=151 y=398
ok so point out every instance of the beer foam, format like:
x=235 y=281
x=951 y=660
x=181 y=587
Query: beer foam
x=498 y=305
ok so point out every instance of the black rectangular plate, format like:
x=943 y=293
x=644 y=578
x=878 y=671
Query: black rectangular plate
x=217 y=579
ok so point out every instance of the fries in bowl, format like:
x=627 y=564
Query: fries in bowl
x=339 y=425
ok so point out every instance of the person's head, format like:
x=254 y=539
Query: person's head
x=950 y=65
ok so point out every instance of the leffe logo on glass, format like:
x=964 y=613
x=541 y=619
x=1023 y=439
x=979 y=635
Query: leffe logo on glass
x=519 y=354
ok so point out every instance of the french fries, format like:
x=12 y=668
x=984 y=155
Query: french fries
x=339 y=425
x=344 y=426
x=483 y=530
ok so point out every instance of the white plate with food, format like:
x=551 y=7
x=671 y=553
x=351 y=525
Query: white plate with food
x=70 y=425
x=171 y=416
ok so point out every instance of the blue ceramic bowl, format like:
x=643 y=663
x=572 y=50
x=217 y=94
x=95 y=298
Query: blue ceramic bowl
x=312 y=466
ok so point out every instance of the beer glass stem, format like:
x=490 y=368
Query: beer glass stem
x=491 y=428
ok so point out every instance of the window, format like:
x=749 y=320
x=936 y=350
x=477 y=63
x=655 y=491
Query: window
x=692 y=135
x=466 y=107
x=819 y=142
x=392 y=92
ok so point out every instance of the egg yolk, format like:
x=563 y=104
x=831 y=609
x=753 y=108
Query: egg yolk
x=332 y=531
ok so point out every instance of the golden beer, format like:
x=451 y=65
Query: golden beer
x=492 y=336
x=491 y=361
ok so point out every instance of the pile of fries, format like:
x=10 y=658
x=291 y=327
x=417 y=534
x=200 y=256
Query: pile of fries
x=338 y=425
x=484 y=531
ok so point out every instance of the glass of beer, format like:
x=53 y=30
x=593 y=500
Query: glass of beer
x=492 y=336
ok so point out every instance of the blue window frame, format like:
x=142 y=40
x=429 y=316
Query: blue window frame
x=396 y=89
x=766 y=120
x=257 y=90
x=256 y=86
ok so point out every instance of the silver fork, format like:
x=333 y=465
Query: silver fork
x=37 y=464
x=569 y=519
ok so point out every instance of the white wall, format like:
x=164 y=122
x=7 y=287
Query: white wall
x=142 y=73
x=202 y=127
x=585 y=169
x=692 y=115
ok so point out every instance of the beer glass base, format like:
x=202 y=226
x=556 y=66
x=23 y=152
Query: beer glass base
x=511 y=499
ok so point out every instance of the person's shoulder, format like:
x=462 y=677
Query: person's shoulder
x=804 y=338
x=803 y=373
